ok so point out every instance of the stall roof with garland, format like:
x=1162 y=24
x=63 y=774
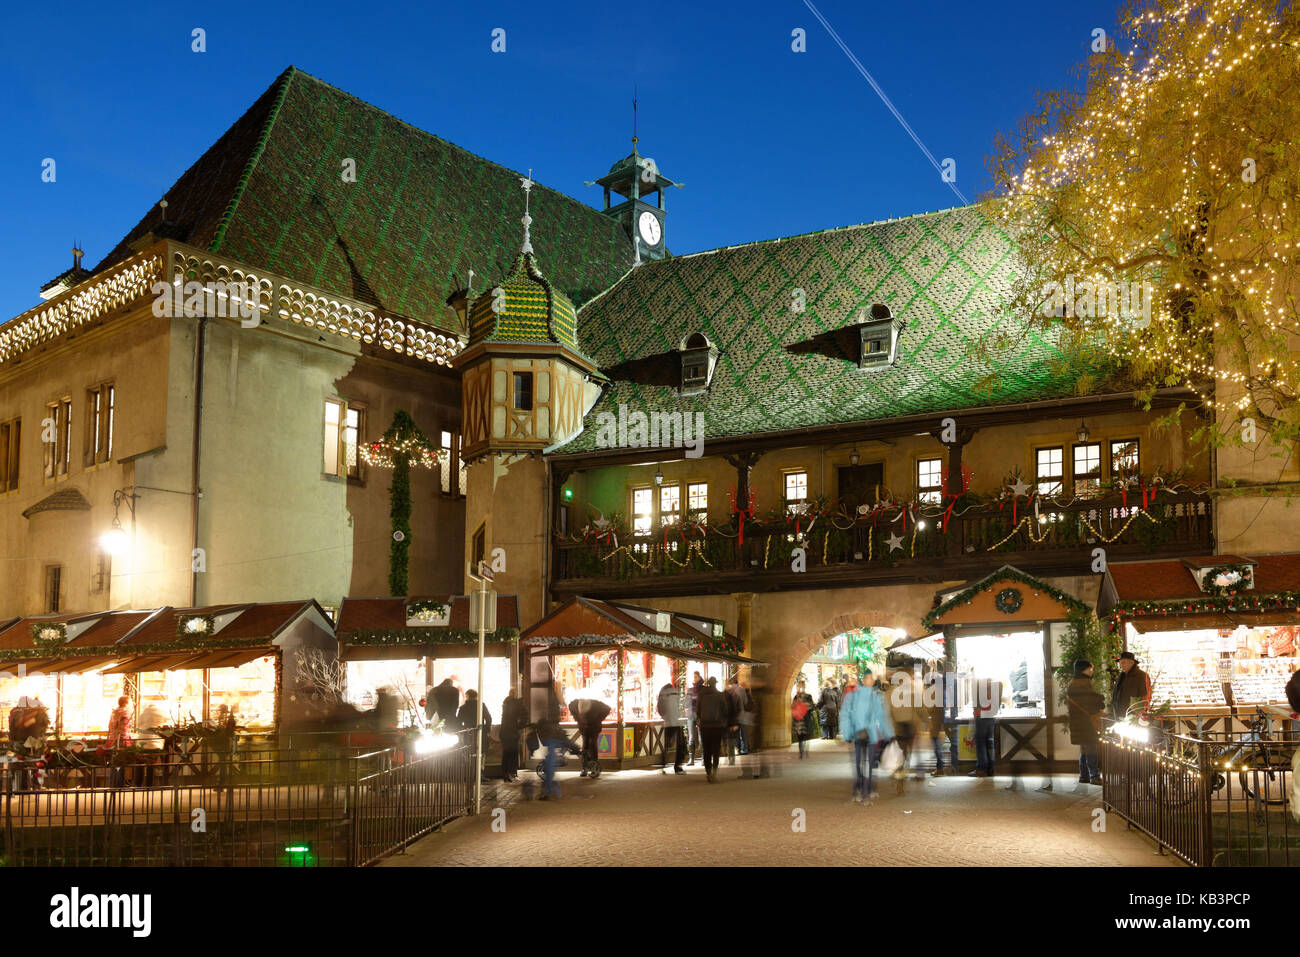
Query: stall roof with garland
x=587 y=624
x=1164 y=595
x=146 y=637
x=269 y=193
x=380 y=623
x=1008 y=577
x=946 y=274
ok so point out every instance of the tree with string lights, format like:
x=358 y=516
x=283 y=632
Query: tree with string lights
x=1158 y=210
x=402 y=447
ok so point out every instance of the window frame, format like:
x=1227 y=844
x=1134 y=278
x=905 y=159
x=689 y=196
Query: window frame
x=790 y=503
x=517 y=379
x=1059 y=478
x=355 y=473
x=649 y=515
x=101 y=416
x=931 y=494
x=53 y=588
x=678 y=513
x=58 y=454
x=338 y=470
x=694 y=514
x=1118 y=472
x=1085 y=484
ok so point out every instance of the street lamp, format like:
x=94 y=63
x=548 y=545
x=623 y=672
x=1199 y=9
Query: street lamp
x=1082 y=434
x=854 y=458
x=115 y=541
x=659 y=476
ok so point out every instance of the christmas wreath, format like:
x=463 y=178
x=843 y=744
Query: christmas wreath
x=1008 y=601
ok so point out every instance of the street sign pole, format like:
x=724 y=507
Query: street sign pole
x=483 y=577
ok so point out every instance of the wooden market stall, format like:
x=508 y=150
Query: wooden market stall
x=410 y=644
x=1217 y=634
x=623 y=654
x=1007 y=627
x=178 y=665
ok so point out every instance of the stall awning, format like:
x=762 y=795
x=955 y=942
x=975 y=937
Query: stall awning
x=77 y=666
x=587 y=624
x=1182 y=595
x=149 y=663
x=226 y=659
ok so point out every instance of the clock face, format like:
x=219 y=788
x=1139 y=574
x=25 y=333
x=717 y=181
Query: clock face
x=648 y=225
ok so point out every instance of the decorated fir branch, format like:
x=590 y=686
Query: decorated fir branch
x=402 y=446
x=1005 y=573
x=425 y=636
x=427 y=609
x=1273 y=601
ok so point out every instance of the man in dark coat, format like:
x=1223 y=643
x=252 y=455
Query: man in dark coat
x=590 y=714
x=512 y=719
x=1084 y=702
x=713 y=714
x=828 y=710
x=1131 y=687
x=447 y=700
x=467 y=713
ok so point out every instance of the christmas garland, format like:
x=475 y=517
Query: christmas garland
x=1245 y=578
x=428 y=609
x=669 y=642
x=399 y=637
x=1249 y=604
x=1005 y=573
x=130 y=651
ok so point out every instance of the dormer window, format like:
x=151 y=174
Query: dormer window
x=699 y=358
x=878 y=333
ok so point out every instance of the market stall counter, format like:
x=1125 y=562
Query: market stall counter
x=622 y=654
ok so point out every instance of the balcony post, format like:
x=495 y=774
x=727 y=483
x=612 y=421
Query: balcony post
x=955 y=441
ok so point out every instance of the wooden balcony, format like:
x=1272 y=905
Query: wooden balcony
x=840 y=551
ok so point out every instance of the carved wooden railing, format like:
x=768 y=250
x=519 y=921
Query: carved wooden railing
x=1175 y=522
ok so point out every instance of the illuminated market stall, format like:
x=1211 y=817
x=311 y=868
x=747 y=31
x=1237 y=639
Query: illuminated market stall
x=623 y=655
x=1216 y=635
x=178 y=665
x=407 y=645
x=1007 y=628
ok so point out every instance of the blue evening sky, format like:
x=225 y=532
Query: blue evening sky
x=768 y=142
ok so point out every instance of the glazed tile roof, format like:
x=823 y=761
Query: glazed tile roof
x=269 y=193
x=532 y=310
x=945 y=274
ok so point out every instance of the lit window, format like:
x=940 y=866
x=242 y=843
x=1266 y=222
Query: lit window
x=1050 y=470
x=353 y=432
x=929 y=480
x=796 y=489
x=642 y=511
x=1124 y=457
x=444 y=462
x=697 y=501
x=478 y=548
x=10 y=444
x=333 y=422
x=670 y=504
x=1087 y=469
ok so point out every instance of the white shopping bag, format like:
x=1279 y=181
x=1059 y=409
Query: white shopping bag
x=892 y=758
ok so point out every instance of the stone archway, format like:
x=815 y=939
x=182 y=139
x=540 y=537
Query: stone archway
x=782 y=638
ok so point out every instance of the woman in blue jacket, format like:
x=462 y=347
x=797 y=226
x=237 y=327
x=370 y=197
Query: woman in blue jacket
x=864 y=722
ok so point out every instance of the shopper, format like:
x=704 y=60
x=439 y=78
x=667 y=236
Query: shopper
x=903 y=695
x=692 y=716
x=987 y=705
x=801 y=721
x=446 y=700
x=119 y=725
x=670 y=710
x=712 y=714
x=590 y=713
x=555 y=741
x=512 y=720
x=1086 y=708
x=1132 y=688
x=828 y=709
x=466 y=716
x=936 y=704
x=864 y=723
x=746 y=715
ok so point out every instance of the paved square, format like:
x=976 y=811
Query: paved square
x=647 y=818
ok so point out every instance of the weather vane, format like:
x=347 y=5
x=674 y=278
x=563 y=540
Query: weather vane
x=527 y=183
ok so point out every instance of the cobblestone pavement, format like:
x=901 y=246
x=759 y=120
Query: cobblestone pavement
x=645 y=818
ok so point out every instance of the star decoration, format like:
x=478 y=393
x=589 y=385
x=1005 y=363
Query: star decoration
x=893 y=541
x=1021 y=487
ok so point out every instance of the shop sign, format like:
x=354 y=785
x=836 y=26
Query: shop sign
x=629 y=742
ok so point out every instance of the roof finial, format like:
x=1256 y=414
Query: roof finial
x=527 y=183
x=634 y=140
x=77 y=253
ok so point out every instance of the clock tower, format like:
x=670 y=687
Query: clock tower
x=641 y=212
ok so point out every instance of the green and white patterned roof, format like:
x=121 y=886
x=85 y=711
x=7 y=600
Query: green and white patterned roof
x=946 y=274
x=529 y=309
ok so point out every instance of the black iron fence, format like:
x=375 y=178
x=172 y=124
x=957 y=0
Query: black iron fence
x=311 y=806
x=1220 y=798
